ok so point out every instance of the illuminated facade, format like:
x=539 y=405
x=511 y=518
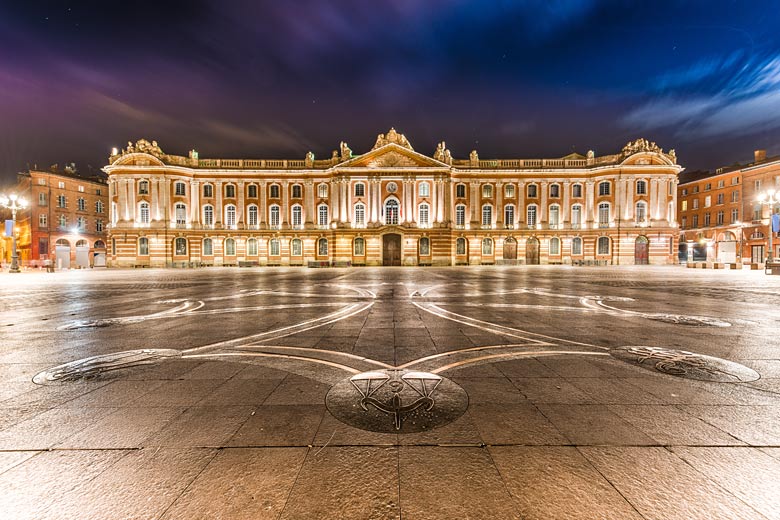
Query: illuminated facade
x=392 y=206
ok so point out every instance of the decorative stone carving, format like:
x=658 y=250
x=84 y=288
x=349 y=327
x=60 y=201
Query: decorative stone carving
x=673 y=156
x=391 y=159
x=143 y=146
x=309 y=159
x=640 y=145
x=474 y=158
x=346 y=151
x=392 y=137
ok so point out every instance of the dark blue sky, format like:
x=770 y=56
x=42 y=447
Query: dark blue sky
x=269 y=79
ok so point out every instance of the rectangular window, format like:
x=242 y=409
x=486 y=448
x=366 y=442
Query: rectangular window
x=685 y=205
x=41 y=182
x=758 y=185
x=274 y=191
x=61 y=185
x=99 y=225
x=734 y=215
x=684 y=222
x=98 y=192
x=695 y=204
x=576 y=191
x=576 y=216
x=460 y=191
x=604 y=188
x=81 y=223
x=531 y=216
x=707 y=220
x=296 y=191
x=423 y=220
x=322 y=215
x=43 y=220
x=230 y=191
x=208 y=191
x=532 y=191
x=99 y=206
x=252 y=191
x=82 y=204
x=684 y=192
x=460 y=215
x=180 y=189
x=297 y=218
x=720 y=218
x=360 y=215
x=720 y=198
x=360 y=190
x=509 y=216
x=695 y=221
x=181 y=214
x=41 y=199
x=734 y=196
x=603 y=215
x=509 y=191
x=43 y=246
x=487 y=191
x=721 y=183
x=707 y=201
x=62 y=202
x=487 y=216
x=81 y=189
x=708 y=186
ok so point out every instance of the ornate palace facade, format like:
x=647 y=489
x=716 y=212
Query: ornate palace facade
x=392 y=206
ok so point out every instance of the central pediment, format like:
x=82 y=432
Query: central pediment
x=392 y=155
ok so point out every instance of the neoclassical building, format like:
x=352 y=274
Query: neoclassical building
x=392 y=206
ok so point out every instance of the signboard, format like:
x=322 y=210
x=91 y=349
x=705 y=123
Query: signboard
x=9 y=228
x=775 y=222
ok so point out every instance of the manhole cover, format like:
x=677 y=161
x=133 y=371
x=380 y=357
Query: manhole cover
x=686 y=364
x=396 y=401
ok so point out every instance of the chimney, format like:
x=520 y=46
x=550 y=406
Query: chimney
x=759 y=155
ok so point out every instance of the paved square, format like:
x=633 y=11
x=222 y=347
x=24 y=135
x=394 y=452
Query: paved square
x=516 y=392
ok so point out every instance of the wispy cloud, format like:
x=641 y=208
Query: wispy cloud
x=715 y=97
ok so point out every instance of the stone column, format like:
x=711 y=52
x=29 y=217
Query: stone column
x=308 y=202
x=566 y=209
x=521 y=212
x=262 y=211
x=499 y=217
x=218 y=216
x=475 y=217
x=544 y=186
x=653 y=206
x=131 y=192
x=343 y=184
x=589 y=204
x=285 y=204
x=194 y=203
x=350 y=204
x=154 y=206
x=240 y=188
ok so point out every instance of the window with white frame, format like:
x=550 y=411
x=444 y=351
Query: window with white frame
x=322 y=247
x=230 y=215
x=602 y=246
x=322 y=215
x=63 y=221
x=509 y=215
x=555 y=246
x=273 y=247
x=641 y=188
x=251 y=247
x=251 y=214
x=530 y=216
x=296 y=247
x=424 y=247
x=460 y=246
x=99 y=206
x=43 y=220
x=42 y=199
x=230 y=247
x=576 y=216
x=735 y=196
x=144 y=210
x=487 y=215
x=81 y=223
x=576 y=246
x=604 y=188
x=297 y=215
x=61 y=185
x=143 y=246
x=708 y=201
x=82 y=204
x=641 y=213
x=360 y=215
x=273 y=216
x=180 y=189
x=143 y=187
x=360 y=189
x=99 y=225
x=208 y=215
x=180 y=212
x=208 y=247
x=720 y=218
x=734 y=215
x=422 y=213
x=487 y=246
x=62 y=202
x=460 y=215
x=509 y=191
x=322 y=191
x=424 y=189
x=391 y=212
x=604 y=214
x=554 y=219
x=180 y=246
x=359 y=247
x=487 y=191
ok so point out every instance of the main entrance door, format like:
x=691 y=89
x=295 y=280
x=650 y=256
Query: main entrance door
x=510 y=249
x=532 y=251
x=391 y=249
x=641 y=251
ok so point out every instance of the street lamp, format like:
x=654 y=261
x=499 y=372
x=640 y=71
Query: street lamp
x=770 y=198
x=13 y=202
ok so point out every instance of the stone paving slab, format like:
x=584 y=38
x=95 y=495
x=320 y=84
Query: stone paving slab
x=226 y=415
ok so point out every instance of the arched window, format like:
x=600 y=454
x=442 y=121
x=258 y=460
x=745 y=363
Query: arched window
x=99 y=244
x=641 y=188
x=487 y=191
x=180 y=246
x=391 y=212
x=576 y=246
x=554 y=219
x=322 y=191
x=273 y=216
x=297 y=215
x=273 y=247
x=423 y=211
x=297 y=191
x=230 y=215
x=602 y=246
x=424 y=246
x=274 y=191
x=460 y=246
x=322 y=247
x=460 y=215
x=576 y=191
x=180 y=188
x=252 y=215
x=251 y=247
x=487 y=246
x=487 y=215
x=208 y=247
x=143 y=187
x=641 y=213
x=509 y=215
x=360 y=215
x=230 y=247
x=208 y=191
x=143 y=246
x=555 y=191
x=230 y=191
x=144 y=213
x=460 y=191
x=208 y=215
x=425 y=189
x=555 y=246
x=322 y=215
x=604 y=188
x=360 y=189
x=604 y=214
x=532 y=191
x=252 y=191
x=530 y=216
x=359 y=247
x=181 y=213
x=296 y=247
x=576 y=216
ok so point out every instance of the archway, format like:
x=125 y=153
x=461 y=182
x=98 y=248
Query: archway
x=641 y=251
x=532 y=251
x=62 y=253
x=391 y=249
x=510 y=249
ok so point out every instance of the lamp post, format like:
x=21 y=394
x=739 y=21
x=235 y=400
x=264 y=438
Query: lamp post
x=770 y=198
x=13 y=202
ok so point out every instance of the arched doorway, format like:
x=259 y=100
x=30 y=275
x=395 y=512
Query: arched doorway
x=62 y=253
x=510 y=249
x=82 y=253
x=642 y=251
x=391 y=249
x=99 y=254
x=532 y=251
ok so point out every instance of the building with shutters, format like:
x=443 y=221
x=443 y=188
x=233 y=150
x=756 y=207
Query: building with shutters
x=392 y=206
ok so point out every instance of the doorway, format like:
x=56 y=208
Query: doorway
x=391 y=249
x=641 y=251
x=532 y=251
x=510 y=249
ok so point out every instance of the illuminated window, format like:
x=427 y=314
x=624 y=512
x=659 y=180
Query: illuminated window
x=273 y=247
x=425 y=246
x=322 y=191
x=252 y=215
x=487 y=246
x=230 y=215
x=487 y=191
x=251 y=247
x=208 y=215
x=297 y=215
x=230 y=247
x=180 y=246
x=576 y=246
x=208 y=247
x=296 y=247
x=509 y=190
x=555 y=246
x=144 y=213
x=423 y=211
x=460 y=246
x=359 y=247
x=424 y=189
x=641 y=213
x=180 y=213
x=603 y=246
x=322 y=247
x=143 y=246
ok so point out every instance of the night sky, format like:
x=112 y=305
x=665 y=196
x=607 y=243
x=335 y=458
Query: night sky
x=273 y=79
